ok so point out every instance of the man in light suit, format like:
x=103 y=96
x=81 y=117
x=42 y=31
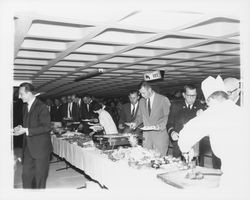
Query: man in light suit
x=153 y=113
x=36 y=142
x=129 y=112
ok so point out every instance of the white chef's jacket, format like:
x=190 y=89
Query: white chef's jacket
x=107 y=122
x=224 y=124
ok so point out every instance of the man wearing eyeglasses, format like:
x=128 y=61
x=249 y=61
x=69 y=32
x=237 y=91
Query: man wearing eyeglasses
x=180 y=113
x=233 y=89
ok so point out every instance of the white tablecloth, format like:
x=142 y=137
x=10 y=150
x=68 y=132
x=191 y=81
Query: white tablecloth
x=114 y=175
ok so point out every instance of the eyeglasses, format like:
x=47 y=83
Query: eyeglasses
x=191 y=95
x=231 y=92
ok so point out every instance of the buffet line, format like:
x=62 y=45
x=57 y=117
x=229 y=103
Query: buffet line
x=117 y=161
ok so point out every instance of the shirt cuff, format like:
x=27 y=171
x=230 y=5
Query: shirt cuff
x=27 y=131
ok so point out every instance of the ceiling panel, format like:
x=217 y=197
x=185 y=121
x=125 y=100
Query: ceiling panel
x=112 y=52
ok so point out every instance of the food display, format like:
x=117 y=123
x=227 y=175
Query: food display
x=194 y=175
x=113 y=141
x=139 y=157
x=136 y=157
x=79 y=139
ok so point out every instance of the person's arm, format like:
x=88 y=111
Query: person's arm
x=174 y=108
x=193 y=131
x=162 y=122
x=171 y=118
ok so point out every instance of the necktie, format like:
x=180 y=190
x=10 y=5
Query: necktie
x=69 y=110
x=133 y=111
x=149 y=106
x=88 y=107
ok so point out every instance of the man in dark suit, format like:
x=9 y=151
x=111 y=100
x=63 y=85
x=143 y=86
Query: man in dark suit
x=87 y=107
x=129 y=112
x=76 y=108
x=153 y=114
x=64 y=107
x=56 y=114
x=87 y=112
x=37 y=145
x=180 y=113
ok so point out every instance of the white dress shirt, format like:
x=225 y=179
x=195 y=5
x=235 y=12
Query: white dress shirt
x=134 y=107
x=151 y=100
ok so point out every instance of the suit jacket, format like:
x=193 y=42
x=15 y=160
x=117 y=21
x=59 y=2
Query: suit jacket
x=180 y=115
x=64 y=109
x=76 y=112
x=159 y=113
x=88 y=114
x=37 y=120
x=56 y=114
x=126 y=116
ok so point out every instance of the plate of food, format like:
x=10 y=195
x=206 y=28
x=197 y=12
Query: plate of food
x=86 y=120
x=92 y=124
x=150 y=128
x=96 y=127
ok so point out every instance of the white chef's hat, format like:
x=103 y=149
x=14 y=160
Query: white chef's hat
x=211 y=85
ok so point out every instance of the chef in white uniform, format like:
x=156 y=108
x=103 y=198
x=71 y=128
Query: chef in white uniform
x=223 y=122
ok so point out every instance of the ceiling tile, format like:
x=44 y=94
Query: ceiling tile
x=36 y=54
x=59 y=31
x=44 y=45
x=122 y=36
x=30 y=62
x=101 y=49
x=216 y=27
x=27 y=67
x=143 y=52
x=216 y=47
x=172 y=41
x=160 y=19
x=82 y=57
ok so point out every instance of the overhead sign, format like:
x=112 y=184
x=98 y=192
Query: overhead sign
x=149 y=76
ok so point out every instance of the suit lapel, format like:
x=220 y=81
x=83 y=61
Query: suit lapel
x=32 y=106
x=25 y=114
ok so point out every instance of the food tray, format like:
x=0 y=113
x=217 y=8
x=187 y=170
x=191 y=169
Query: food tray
x=178 y=178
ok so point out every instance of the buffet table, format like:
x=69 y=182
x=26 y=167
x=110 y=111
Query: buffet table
x=118 y=175
x=113 y=175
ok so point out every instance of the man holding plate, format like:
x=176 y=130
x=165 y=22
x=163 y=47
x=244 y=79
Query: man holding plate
x=153 y=114
x=37 y=142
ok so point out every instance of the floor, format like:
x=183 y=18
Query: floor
x=70 y=177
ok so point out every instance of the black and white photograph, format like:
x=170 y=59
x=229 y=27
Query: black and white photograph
x=125 y=99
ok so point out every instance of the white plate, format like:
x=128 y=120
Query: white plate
x=149 y=128
x=91 y=124
x=96 y=128
x=86 y=120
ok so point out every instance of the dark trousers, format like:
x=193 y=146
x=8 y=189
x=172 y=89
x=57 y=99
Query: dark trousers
x=216 y=162
x=35 y=170
x=176 y=150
